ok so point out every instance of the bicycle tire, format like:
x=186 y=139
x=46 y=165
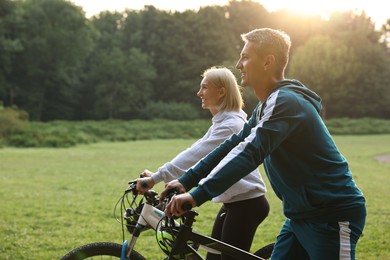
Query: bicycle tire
x=266 y=251
x=99 y=249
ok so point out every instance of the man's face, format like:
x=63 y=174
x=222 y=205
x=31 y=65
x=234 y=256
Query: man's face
x=250 y=66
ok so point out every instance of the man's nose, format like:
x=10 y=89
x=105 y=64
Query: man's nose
x=238 y=65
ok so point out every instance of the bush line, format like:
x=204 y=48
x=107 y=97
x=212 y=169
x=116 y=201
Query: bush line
x=71 y=133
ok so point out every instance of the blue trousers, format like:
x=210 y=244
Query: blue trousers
x=318 y=241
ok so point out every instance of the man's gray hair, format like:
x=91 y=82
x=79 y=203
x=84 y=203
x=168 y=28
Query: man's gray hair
x=273 y=41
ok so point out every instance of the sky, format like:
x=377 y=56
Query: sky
x=376 y=9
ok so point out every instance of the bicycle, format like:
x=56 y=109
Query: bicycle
x=176 y=239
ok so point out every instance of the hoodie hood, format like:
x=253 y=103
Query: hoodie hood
x=298 y=87
x=221 y=115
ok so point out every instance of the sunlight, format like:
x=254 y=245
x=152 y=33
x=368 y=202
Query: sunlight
x=309 y=7
x=324 y=8
x=93 y=7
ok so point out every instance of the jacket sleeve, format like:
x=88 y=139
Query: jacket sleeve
x=278 y=120
x=192 y=177
x=189 y=157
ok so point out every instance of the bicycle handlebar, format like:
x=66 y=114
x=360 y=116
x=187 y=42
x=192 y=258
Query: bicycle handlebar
x=187 y=206
x=151 y=194
x=144 y=184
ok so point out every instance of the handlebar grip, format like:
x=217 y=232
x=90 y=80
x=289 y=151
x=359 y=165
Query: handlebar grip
x=187 y=206
x=144 y=184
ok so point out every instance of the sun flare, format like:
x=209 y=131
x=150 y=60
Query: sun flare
x=325 y=8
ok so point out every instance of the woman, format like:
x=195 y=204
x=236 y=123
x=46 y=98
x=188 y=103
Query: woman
x=244 y=204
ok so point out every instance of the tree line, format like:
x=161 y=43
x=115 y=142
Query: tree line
x=57 y=64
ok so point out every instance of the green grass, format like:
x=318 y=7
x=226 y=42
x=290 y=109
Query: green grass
x=53 y=200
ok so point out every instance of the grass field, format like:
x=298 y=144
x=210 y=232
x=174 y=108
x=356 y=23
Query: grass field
x=53 y=200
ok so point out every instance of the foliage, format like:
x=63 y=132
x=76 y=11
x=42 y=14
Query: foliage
x=171 y=110
x=361 y=126
x=54 y=39
x=10 y=46
x=332 y=65
x=12 y=119
x=348 y=68
x=63 y=198
x=66 y=133
x=117 y=80
x=115 y=76
x=58 y=65
x=69 y=133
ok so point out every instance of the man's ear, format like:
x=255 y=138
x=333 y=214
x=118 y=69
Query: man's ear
x=269 y=61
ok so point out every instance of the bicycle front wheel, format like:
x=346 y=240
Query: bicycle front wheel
x=99 y=250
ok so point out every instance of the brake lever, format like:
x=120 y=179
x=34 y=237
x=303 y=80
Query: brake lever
x=132 y=187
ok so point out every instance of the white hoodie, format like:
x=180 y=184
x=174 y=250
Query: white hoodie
x=225 y=124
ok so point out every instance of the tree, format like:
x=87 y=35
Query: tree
x=108 y=26
x=244 y=16
x=201 y=40
x=121 y=82
x=300 y=27
x=10 y=45
x=55 y=40
x=118 y=76
x=385 y=34
x=326 y=66
x=56 y=64
x=347 y=67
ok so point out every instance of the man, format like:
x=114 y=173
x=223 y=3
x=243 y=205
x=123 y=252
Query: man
x=325 y=210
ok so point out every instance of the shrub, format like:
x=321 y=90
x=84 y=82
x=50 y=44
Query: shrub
x=11 y=119
x=171 y=110
x=361 y=126
x=70 y=133
x=50 y=134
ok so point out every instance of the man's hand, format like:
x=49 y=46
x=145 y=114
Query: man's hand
x=172 y=185
x=176 y=206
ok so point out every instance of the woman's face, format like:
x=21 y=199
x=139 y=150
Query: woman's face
x=211 y=95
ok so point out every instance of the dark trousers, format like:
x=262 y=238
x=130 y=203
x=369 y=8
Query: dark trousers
x=236 y=224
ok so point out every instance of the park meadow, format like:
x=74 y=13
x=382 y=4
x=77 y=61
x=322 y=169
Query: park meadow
x=53 y=200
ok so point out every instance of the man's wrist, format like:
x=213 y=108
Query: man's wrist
x=199 y=195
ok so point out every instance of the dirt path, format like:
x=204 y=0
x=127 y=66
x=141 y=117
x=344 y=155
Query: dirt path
x=384 y=158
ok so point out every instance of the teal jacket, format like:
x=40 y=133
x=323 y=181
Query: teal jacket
x=301 y=160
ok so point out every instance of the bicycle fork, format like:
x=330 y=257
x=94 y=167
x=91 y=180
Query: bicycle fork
x=150 y=216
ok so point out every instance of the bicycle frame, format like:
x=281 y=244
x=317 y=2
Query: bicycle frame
x=151 y=216
x=177 y=240
x=185 y=233
x=213 y=246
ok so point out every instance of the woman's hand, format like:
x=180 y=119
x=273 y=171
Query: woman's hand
x=179 y=205
x=144 y=184
x=146 y=173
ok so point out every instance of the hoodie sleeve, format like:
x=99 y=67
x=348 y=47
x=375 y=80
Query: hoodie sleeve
x=216 y=134
x=192 y=177
x=280 y=117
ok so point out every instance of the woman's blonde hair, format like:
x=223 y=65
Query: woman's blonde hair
x=222 y=77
